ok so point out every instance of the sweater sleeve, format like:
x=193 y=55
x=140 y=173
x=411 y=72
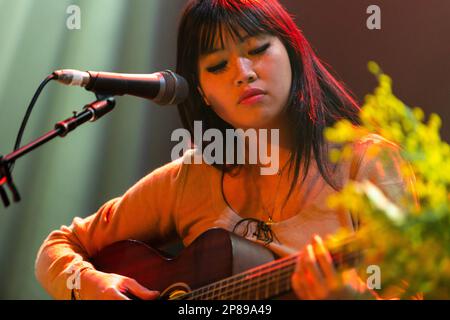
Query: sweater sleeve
x=145 y=212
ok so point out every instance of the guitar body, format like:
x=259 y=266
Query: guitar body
x=215 y=255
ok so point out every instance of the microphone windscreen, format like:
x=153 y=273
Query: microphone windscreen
x=176 y=89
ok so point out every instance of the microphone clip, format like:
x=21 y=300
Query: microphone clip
x=91 y=112
x=6 y=179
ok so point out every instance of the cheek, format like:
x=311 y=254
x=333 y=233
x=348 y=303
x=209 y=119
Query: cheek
x=221 y=106
x=286 y=78
x=284 y=74
x=216 y=91
x=216 y=95
x=278 y=75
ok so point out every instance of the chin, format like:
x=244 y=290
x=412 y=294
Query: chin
x=256 y=120
x=257 y=125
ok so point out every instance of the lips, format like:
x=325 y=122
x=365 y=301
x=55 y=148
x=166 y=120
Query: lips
x=251 y=92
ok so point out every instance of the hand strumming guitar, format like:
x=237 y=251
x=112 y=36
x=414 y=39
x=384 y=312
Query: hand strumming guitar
x=97 y=285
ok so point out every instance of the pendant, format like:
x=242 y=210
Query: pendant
x=270 y=221
x=263 y=230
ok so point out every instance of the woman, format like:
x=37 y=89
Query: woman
x=248 y=67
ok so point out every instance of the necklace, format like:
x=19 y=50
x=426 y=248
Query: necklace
x=270 y=212
x=263 y=230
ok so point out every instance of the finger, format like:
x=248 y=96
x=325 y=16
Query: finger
x=299 y=279
x=300 y=285
x=321 y=250
x=120 y=296
x=325 y=262
x=316 y=285
x=115 y=294
x=312 y=266
x=297 y=286
x=139 y=291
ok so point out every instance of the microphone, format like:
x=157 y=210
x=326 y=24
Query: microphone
x=163 y=88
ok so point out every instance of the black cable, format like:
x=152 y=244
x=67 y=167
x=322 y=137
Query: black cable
x=28 y=113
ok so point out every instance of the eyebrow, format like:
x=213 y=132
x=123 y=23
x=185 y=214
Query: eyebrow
x=214 y=50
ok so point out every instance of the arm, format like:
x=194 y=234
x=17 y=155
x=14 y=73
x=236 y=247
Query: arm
x=144 y=212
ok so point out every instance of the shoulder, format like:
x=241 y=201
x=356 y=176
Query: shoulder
x=179 y=170
x=378 y=159
x=368 y=148
x=364 y=146
x=375 y=140
x=374 y=148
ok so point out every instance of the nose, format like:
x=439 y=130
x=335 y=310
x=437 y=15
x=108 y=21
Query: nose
x=245 y=72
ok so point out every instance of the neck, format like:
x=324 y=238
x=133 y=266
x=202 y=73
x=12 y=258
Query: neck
x=274 y=151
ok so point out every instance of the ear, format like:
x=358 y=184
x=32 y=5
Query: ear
x=203 y=96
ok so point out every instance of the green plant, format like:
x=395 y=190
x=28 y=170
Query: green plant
x=410 y=243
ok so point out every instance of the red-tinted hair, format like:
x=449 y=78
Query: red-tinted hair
x=316 y=99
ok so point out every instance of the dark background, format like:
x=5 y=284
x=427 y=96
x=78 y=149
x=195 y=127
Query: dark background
x=413 y=47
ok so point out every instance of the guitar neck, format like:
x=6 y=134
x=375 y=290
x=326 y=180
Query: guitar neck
x=266 y=281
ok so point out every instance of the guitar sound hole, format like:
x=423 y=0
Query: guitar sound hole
x=174 y=291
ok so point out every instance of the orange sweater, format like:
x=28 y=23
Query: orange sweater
x=186 y=200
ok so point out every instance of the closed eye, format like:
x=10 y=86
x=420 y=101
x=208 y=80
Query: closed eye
x=221 y=66
x=217 y=68
x=260 y=49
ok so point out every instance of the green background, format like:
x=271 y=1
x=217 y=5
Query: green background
x=73 y=176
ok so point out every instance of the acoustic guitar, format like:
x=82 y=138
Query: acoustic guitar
x=218 y=265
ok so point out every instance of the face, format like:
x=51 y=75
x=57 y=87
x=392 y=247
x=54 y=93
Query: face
x=259 y=68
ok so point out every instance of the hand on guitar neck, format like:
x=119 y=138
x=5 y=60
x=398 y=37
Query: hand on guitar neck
x=315 y=276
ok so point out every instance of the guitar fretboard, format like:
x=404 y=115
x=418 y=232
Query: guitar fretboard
x=263 y=282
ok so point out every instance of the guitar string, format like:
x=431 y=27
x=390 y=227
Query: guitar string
x=211 y=289
x=345 y=253
x=240 y=276
x=243 y=279
x=285 y=271
x=233 y=290
x=264 y=283
x=282 y=280
x=250 y=284
x=226 y=283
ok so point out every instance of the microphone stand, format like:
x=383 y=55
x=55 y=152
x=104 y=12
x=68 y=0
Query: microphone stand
x=91 y=112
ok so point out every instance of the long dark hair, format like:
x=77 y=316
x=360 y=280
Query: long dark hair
x=316 y=100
